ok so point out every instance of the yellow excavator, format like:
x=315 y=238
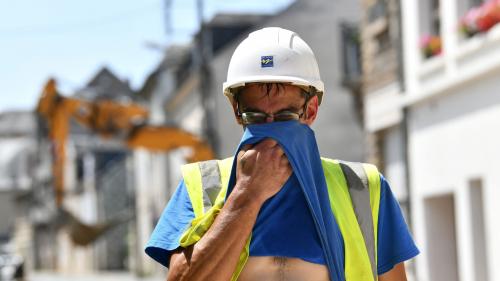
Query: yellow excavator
x=107 y=119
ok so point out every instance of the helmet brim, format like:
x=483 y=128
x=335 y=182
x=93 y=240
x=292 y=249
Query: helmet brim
x=229 y=86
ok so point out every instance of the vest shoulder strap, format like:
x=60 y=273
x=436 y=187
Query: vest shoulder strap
x=359 y=191
x=204 y=181
x=354 y=190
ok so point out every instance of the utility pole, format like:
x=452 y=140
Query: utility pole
x=204 y=53
x=167 y=8
x=202 y=56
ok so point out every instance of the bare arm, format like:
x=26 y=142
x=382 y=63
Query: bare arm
x=261 y=172
x=398 y=273
x=216 y=255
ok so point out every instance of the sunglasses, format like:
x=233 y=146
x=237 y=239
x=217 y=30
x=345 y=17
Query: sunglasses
x=249 y=117
x=257 y=117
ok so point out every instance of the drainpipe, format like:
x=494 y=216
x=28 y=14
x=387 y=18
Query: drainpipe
x=406 y=155
x=404 y=123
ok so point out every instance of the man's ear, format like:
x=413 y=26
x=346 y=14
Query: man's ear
x=312 y=110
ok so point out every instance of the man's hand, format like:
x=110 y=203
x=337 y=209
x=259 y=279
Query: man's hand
x=262 y=170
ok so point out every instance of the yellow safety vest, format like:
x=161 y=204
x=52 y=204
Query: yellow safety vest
x=354 y=193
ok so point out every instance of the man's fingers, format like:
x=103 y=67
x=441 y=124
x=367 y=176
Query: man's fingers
x=270 y=142
x=268 y=149
x=266 y=143
x=278 y=152
x=246 y=147
x=284 y=160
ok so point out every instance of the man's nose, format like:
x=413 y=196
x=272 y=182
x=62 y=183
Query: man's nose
x=269 y=119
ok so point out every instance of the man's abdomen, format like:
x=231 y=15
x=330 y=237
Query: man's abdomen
x=282 y=269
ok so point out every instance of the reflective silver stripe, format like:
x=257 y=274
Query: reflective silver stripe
x=210 y=182
x=357 y=181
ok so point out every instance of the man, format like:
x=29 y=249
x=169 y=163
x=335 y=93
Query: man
x=279 y=211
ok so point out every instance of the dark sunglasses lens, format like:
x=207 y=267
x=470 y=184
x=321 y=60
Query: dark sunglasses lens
x=286 y=116
x=253 y=117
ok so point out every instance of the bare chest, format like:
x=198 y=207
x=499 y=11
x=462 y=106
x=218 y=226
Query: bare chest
x=282 y=269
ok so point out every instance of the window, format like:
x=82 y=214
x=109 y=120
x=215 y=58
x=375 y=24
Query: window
x=435 y=18
x=429 y=22
x=430 y=27
x=351 y=54
x=380 y=18
x=383 y=40
x=475 y=3
x=377 y=10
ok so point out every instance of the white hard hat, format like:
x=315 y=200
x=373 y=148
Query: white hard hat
x=273 y=54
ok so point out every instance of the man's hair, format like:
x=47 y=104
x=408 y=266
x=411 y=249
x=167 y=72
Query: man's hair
x=270 y=87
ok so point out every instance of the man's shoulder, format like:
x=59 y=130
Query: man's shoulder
x=366 y=172
x=223 y=165
x=346 y=162
x=228 y=159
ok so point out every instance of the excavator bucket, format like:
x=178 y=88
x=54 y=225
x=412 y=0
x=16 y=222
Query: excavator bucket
x=83 y=234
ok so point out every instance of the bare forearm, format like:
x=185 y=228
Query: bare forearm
x=398 y=273
x=216 y=255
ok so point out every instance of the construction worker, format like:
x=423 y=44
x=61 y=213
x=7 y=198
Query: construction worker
x=277 y=210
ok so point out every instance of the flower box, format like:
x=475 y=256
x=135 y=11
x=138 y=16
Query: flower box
x=480 y=19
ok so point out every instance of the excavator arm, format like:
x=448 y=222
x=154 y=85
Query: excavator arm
x=108 y=119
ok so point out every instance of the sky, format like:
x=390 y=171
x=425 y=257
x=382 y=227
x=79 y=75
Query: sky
x=72 y=40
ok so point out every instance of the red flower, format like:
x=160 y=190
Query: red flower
x=430 y=45
x=481 y=19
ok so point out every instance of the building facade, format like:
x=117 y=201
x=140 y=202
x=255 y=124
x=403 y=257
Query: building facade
x=98 y=187
x=437 y=126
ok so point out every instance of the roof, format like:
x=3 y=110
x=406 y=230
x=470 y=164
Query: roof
x=17 y=123
x=232 y=19
x=177 y=58
x=14 y=161
x=106 y=85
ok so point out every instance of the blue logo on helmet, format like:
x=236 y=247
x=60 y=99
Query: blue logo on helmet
x=266 y=61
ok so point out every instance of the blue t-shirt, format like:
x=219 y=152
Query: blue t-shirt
x=287 y=210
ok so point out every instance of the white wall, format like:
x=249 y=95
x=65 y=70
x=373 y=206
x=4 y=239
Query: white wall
x=394 y=170
x=454 y=139
x=453 y=102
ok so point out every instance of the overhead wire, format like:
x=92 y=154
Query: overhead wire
x=78 y=25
